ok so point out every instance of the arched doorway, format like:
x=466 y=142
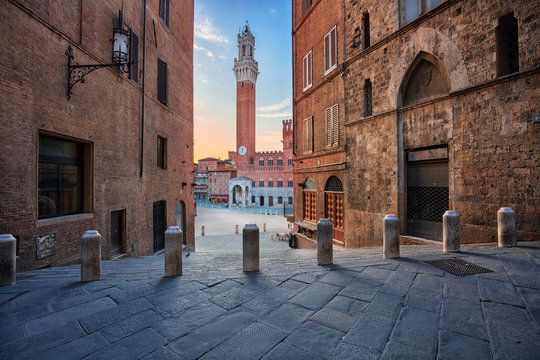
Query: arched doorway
x=237 y=195
x=270 y=201
x=181 y=219
x=333 y=205
x=261 y=201
x=309 y=208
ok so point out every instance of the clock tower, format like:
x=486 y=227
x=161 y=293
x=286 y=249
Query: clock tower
x=246 y=70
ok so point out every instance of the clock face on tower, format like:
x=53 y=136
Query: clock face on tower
x=242 y=150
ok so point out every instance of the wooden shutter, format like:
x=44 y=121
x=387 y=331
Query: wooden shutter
x=333 y=42
x=133 y=57
x=327 y=52
x=305 y=77
x=162 y=82
x=335 y=125
x=328 y=119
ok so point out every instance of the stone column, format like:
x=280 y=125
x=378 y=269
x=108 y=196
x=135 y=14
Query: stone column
x=91 y=256
x=325 y=255
x=391 y=236
x=250 y=247
x=451 y=231
x=8 y=259
x=173 y=251
x=506 y=227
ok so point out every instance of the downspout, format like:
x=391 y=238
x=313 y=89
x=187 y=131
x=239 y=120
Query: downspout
x=143 y=88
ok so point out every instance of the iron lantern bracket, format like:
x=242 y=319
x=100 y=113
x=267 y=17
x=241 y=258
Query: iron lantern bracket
x=76 y=73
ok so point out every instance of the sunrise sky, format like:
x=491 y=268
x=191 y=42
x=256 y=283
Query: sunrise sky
x=217 y=23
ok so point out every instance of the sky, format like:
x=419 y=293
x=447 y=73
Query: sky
x=217 y=24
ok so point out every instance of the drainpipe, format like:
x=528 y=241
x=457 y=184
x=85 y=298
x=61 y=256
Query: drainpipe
x=143 y=88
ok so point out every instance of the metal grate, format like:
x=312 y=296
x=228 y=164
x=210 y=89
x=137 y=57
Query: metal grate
x=427 y=203
x=333 y=184
x=459 y=267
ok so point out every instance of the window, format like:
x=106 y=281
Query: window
x=289 y=199
x=279 y=162
x=270 y=162
x=133 y=56
x=61 y=174
x=330 y=51
x=270 y=182
x=308 y=134
x=162 y=82
x=368 y=98
x=261 y=162
x=307 y=70
x=365 y=30
x=261 y=182
x=306 y=4
x=161 y=152
x=243 y=50
x=280 y=200
x=332 y=126
x=289 y=162
x=506 y=35
x=279 y=182
x=290 y=183
x=411 y=9
x=164 y=11
x=252 y=199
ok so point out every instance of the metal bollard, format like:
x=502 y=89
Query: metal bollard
x=451 y=231
x=202 y=230
x=325 y=255
x=506 y=227
x=8 y=259
x=173 y=251
x=391 y=236
x=91 y=256
x=236 y=229
x=264 y=227
x=250 y=247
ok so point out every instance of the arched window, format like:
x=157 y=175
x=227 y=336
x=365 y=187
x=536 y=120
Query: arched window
x=280 y=200
x=333 y=209
x=289 y=200
x=270 y=161
x=270 y=182
x=289 y=161
x=280 y=161
x=250 y=50
x=280 y=182
x=243 y=50
x=261 y=162
x=261 y=182
x=290 y=182
x=310 y=201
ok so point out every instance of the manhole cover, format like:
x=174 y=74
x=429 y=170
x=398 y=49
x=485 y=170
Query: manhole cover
x=459 y=267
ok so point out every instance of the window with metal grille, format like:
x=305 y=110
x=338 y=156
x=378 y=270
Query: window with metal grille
x=365 y=30
x=133 y=56
x=308 y=134
x=506 y=35
x=307 y=70
x=163 y=85
x=162 y=152
x=330 y=51
x=164 y=11
x=368 y=98
x=427 y=203
x=332 y=126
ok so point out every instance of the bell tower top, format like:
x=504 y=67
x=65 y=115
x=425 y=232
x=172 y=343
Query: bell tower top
x=245 y=66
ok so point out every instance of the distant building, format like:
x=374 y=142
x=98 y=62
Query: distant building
x=95 y=161
x=264 y=178
x=414 y=108
x=218 y=184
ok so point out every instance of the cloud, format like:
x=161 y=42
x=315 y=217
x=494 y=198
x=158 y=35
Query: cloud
x=222 y=57
x=210 y=54
x=278 y=115
x=198 y=48
x=273 y=11
x=205 y=29
x=283 y=104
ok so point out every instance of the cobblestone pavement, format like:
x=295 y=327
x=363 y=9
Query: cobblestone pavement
x=362 y=307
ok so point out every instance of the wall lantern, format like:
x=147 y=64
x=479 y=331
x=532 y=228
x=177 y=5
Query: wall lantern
x=356 y=41
x=120 y=57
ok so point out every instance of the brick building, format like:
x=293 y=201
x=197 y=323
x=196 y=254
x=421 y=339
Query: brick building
x=435 y=106
x=218 y=184
x=264 y=178
x=117 y=156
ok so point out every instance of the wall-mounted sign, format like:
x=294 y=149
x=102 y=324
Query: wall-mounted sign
x=45 y=245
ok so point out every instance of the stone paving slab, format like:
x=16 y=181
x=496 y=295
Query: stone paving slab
x=362 y=307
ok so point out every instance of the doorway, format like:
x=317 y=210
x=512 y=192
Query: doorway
x=159 y=225
x=118 y=230
x=270 y=201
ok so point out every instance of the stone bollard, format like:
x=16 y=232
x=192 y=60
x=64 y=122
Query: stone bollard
x=250 y=247
x=91 y=256
x=325 y=255
x=451 y=231
x=173 y=251
x=202 y=230
x=506 y=227
x=264 y=227
x=8 y=259
x=236 y=229
x=391 y=237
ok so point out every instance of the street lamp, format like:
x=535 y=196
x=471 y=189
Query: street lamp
x=120 y=57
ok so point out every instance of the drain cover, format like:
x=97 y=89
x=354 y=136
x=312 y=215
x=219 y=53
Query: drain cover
x=459 y=267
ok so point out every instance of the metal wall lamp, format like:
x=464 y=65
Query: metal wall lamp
x=356 y=41
x=120 y=53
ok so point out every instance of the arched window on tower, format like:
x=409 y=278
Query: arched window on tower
x=251 y=51
x=243 y=50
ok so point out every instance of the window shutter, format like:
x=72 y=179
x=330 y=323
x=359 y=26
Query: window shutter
x=326 y=52
x=162 y=82
x=305 y=72
x=335 y=125
x=329 y=126
x=305 y=134
x=310 y=68
x=134 y=57
x=334 y=46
